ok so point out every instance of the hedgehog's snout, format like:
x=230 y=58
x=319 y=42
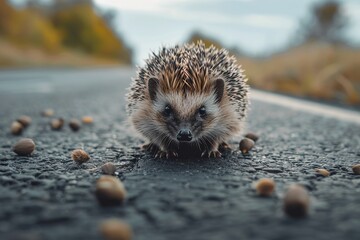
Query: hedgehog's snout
x=184 y=135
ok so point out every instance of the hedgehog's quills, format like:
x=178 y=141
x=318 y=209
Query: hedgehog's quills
x=188 y=100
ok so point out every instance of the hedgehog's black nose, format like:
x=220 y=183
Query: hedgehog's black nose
x=184 y=135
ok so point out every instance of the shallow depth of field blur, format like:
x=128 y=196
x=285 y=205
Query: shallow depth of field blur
x=306 y=48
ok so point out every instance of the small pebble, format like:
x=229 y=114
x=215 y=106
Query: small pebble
x=74 y=124
x=296 y=201
x=24 y=120
x=57 y=124
x=48 y=112
x=16 y=128
x=114 y=229
x=265 y=187
x=272 y=170
x=356 y=169
x=110 y=191
x=246 y=145
x=252 y=136
x=322 y=172
x=108 y=168
x=87 y=120
x=24 y=147
x=80 y=156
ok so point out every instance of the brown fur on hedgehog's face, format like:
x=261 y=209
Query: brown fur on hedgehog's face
x=187 y=116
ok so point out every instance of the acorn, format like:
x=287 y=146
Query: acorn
x=110 y=191
x=80 y=156
x=265 y=187
x=252 y=136
x=322 y=172
x=108 y=168
x=246 y=145
x=24 y=120
x=24 y=147
x=57 y=124
x=16 y=128
x=114 y=229
x=74 y=124
x=296 y=201
x=87 y=120
x=356 y=169
x=49 y=112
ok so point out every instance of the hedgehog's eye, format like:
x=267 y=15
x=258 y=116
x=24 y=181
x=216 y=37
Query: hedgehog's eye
x=202 y=111
x=167 y=111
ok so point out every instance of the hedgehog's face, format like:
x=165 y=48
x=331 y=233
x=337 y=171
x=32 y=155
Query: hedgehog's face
x=186 y=117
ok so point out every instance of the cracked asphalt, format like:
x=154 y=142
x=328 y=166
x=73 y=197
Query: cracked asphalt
x=47 y=196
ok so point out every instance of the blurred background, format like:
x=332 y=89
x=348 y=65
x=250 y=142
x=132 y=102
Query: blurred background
x=308 y=48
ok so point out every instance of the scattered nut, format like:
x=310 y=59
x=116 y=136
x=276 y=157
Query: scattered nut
x=246 y=145
x=113 y=229
x=323 y=172
x=57 y=124
x=74 y=124
x=265 y=187
x=108 y=168
x=48 y=112
x=252 y=136
x=87 y=120
x=296 y=201
x=356 y=169
x=80 y=156
x=24 y=147
x=24 y=120
x=110 y=191
x=16 y=128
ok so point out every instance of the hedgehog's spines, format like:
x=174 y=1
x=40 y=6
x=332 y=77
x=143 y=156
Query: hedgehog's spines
x=190 y=68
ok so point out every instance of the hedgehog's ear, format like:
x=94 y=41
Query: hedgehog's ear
x=153 y=85
x=219 y=87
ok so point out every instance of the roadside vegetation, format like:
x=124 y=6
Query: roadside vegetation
x=75 y=28
x=319 y=65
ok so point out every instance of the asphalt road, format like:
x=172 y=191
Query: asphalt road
x=47 y=196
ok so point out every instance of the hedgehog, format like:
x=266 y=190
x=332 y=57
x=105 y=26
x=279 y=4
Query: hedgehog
x=188 y=99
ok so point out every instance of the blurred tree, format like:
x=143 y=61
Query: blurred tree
x=6 y=15
x=109 y=16
x=326 y=23
x=51 y=25
x=27 y=27
x=208 y=41
x=31 y=28
x=33 y=4
x=82 y=28
x=197 y=36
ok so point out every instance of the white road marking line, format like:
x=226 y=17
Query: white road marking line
x=307 y=106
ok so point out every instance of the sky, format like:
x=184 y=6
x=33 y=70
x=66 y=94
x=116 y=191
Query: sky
x=253 y=26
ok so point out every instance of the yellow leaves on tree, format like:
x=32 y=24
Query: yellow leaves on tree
x=26 y=27
x=83 y=29
x=34 y=29
x=76 y=25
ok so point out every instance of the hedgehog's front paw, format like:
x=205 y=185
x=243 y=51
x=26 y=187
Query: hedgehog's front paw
x=224 y=147
x=150 y=147
x=167 y=154
x=211 y=154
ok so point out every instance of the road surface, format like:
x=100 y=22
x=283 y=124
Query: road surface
x=46 y=196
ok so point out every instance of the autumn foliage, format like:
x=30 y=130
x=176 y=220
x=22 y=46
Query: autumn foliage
x=75 y=26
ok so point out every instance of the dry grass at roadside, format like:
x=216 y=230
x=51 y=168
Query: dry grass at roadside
x=314 y=70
